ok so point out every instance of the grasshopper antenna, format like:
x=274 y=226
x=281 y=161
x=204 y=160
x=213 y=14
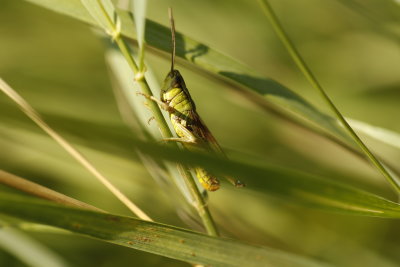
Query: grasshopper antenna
x=171 y=20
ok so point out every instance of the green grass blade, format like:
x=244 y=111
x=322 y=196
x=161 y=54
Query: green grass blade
x=139 y=14
x=155 y=238
x=300 y=188
x=288 y=185
x=28 y=250
x=104 y=13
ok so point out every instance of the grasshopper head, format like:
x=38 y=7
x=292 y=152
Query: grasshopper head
x=173 y=80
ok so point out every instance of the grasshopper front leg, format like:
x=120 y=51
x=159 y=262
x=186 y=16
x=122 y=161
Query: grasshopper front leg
x=162 y=105
x=186 y=136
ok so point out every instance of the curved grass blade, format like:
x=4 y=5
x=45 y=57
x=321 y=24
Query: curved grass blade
x=104 y=13
x=155 y=238
x=139 y=12
x=28 y=250
x=300 y=188
x=288 y=185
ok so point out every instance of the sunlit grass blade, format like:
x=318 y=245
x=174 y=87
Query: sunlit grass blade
x=139 y=14
x=104 y=13
x=383 y=135
x=155 y=238
x=28 y=250
x=35 y=117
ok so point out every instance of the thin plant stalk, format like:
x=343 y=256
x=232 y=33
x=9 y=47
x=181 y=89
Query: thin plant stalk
x=114 y=31
x=139 y=14
x=38 y=190
x=201 y=205
x=314 y=82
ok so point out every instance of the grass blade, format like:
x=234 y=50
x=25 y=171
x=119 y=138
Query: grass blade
x=297 y=187
x=28 y=250
x=34 y=189
x=288 y=185
x=139 y=14
x=104 y=13
x=378 y=133
x=301 y=64
x=155 y=238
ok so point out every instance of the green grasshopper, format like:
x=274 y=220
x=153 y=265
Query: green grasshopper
x=191 y=130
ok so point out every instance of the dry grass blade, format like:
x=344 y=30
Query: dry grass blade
x=35 y=189
x=32 y=114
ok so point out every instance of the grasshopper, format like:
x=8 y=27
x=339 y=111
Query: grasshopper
x=190 y=129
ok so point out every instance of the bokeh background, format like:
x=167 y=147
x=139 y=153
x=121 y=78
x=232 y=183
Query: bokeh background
x=58 y=65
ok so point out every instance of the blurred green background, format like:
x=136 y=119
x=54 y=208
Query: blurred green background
x=58 y=65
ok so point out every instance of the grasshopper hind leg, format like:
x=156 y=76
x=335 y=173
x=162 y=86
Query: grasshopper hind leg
x=234 y=181
x=209 y=182
x=239 y=184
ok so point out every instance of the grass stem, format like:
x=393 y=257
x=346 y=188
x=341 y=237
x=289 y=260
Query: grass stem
x=201 y=205
x=301 y=64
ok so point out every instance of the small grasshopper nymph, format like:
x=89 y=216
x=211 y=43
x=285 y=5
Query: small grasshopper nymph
x=191 y=130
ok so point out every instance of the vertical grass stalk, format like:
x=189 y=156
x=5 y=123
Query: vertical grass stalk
x=201 y=204
x=112 y=27
x=314 y=82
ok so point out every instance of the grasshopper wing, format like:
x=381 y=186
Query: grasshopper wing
x=201 y=130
